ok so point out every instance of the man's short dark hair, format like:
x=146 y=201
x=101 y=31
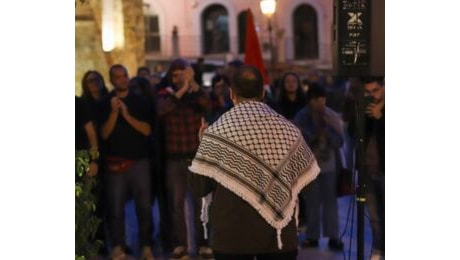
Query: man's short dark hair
x=219 y=77
x=315 y=91
x=177 y=64
x=247 y=82
x=116 y=66
x=379 y=79
x=143 y=68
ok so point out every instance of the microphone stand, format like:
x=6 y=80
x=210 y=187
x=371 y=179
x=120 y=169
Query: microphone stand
x=360 y=166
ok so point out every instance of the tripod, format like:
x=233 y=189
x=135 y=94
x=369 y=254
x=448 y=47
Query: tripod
x=357 y=119
x=360 y=152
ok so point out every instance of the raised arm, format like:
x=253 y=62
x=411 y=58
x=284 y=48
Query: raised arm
x=109 y=124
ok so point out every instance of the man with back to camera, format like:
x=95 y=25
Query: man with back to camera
x=254 y=162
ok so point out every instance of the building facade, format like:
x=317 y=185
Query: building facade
x=155 y=31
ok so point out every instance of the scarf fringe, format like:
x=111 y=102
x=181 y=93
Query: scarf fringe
x=296 y=214
x=204 y=217
x=229 y=183
x=278 y=237
x=206 y=162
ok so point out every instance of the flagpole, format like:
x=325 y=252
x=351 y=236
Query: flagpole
x=272 y=51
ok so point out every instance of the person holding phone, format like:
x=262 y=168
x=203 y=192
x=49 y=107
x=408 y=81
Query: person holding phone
x=322 y=129
x=374 y=177
x=181 y=108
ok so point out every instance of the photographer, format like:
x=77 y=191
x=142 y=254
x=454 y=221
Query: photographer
x=375 y=161
x=374 y=152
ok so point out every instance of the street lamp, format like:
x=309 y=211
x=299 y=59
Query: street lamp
x=268 y=8
x=112 y=26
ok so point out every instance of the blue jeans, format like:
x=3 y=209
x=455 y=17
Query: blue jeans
x=177 y=188
x=137 y=181
x=321 y=195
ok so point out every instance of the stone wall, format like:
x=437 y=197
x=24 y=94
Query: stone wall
x=88 y=41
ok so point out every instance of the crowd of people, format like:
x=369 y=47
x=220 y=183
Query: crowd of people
x=258 y=164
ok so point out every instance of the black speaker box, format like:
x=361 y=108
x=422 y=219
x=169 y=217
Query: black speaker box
x=359 y=38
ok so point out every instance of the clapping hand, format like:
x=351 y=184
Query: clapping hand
x=203 y=127
x=189 y=76
x=124 y=110
x=115 y=104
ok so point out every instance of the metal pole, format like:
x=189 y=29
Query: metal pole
x=361 y=188
x=272 y=53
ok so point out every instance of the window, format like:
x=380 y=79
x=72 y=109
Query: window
x=241 y=31
x=215 y=30
x=152 y=34
x=305 y=32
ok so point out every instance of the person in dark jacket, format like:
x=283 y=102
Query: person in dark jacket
x=322 y=129
x=374 y=154
x=375 y=162
x=252 y=162
x=291 y=98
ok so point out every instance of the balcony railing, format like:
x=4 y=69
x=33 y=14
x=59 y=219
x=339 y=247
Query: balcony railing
x=191 y=46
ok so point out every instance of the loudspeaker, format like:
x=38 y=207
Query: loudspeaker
x=359 y=38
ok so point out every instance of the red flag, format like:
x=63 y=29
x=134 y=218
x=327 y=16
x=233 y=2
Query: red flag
x=252 y=53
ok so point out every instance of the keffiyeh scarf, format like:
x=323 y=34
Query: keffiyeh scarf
x=261 y=157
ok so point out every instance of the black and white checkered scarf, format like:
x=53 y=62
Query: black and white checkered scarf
x=261 y=157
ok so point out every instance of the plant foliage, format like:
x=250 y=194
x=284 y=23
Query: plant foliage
x=86 y=223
